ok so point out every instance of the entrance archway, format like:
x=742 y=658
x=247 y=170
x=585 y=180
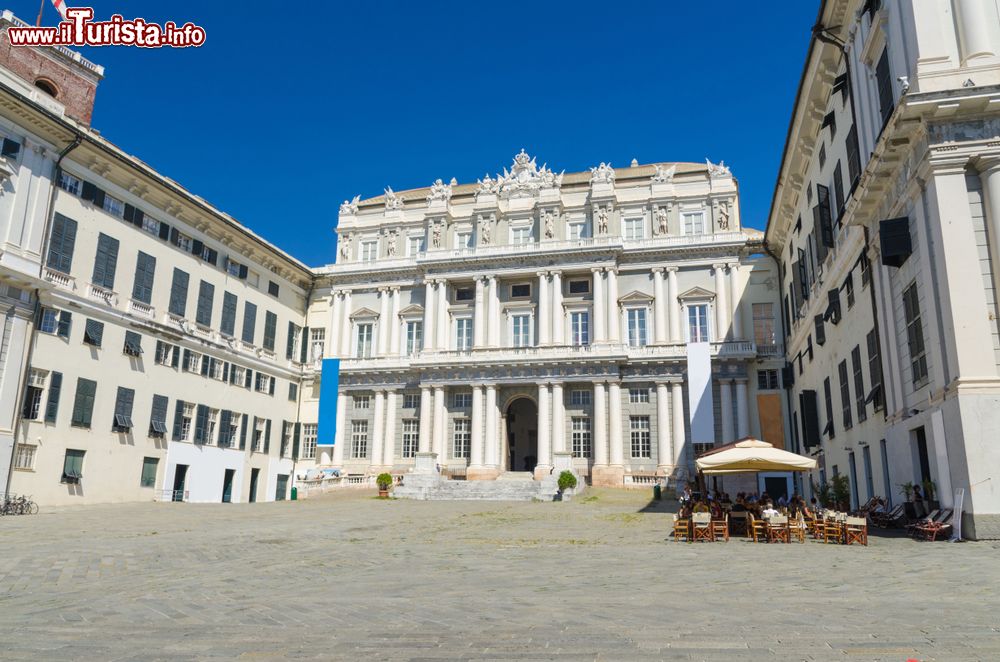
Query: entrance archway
x=522 y=435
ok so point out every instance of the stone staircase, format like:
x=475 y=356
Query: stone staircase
x=511 y=486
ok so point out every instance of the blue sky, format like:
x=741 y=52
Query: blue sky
x=281 y=115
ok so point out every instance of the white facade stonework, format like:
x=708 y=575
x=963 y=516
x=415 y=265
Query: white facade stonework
x=897 y=119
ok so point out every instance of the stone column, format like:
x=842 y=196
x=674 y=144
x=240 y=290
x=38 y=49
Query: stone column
x=336 y=310
x=673 y=305
x=389 y=449
x=721 y=303
x=989 y=175
x=558 y=315
x=659 y=308
x=600 y=426
x=383 y=322
x=476 y=434
x=742 y=413
x=726 y=409
x=663 y=458
x=394 y=324
x=341 y=434
x=599 y=316
x=614 y=315
x=426 y=420
x=544 y=318
x=345 y=328
x=737 y=309
x=558 y=419
x=378 y=430
x=479 y=315
x=443 y=341
x=492 y=445
x=440 y=423
x=428 y=315
x=974 y=21
x=677 y=418
x=617 y=451
x=493 y=332
x=544 y=463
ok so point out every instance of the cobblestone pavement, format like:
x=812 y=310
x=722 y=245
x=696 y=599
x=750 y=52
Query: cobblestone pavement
x=352 y=577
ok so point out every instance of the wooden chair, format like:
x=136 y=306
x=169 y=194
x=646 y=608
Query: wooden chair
x=777 y=529
x=940 y=526
x=682 y=529
x=799 y=528
x=833 y=530
x=738 y=523
x=702 y=523
x=856 y=530
x=911 y=528
x=720 y=528
x=756 y=529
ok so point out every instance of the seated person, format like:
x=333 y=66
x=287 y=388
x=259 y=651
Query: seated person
x=701 y=507
x=769 y=510
x=716 y=510
x=739 y=506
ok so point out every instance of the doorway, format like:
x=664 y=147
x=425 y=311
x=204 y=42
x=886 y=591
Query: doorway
x=254 y=477
x=227 y=486
x=180 y=478
x=282 y=489
x=522 y=435
x=776 y=486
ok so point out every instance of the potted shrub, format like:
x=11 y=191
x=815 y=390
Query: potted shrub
x=930 y=494
x=841 y=492
x=384 y=482
x=908 y=506
x=567 y=481
x=823 y=494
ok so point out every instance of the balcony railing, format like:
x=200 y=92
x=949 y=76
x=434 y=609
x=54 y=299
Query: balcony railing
x=102 y=294
x=60 y=279
x=771 y=350
x=141 y=309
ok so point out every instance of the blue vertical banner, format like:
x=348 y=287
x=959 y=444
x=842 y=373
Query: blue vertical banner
x=329 y=387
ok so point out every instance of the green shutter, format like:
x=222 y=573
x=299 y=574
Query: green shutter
x=206 y=296
x=295 y=441
x=243 y=432
x=249 y=322
x=228 y=326
x=178 y=293
x=270 y=330
x=61 y=243
x=145 y=267
x=178 y=422
x=290 y=345
x=52 y=406
x=83 y=406
x=267 y=436
x=105 y=262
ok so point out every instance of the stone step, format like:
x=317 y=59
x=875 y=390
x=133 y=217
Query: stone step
x=512 y=489
x=515 y=476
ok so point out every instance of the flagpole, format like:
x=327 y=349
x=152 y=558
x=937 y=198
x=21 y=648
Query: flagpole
x=41 y=9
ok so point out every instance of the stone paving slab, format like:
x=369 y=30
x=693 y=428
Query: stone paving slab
x=348 y=576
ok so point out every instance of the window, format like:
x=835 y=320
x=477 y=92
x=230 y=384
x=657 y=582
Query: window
x=362 y=401
x=763 y=323
x=822 y=156
x=579 y=323
x=634 y=228
x=411 y=401
x=414 y=245
x=24 y=457
x=148 y=476
x=263 y=383
x=693 y=223
x=83 y=404
x=158 y=417
x=838 y=190
x=217 y=369
x=636 y=327
x=293 y=391
x=49 y=322
x=464 y=294
x=114 y=206
x=308 y=449
x=105 y=262
x=462 y=400
x=123 y=410
x=192 y=361
x=93 y=333
x=578 y=230
x=183 y=242
x=580 y=397
x=363 y=349
x=845 y=395
x=359 y=440
x=874 y=370
x=73 y=466
x=866 y=270
x=259 y=430
x=151 y=225
x=463 y=333
x=698 y=323
x=581 y=438
x=228 y=324
x=317 y=342
x=521 y=235
x=166 y=353
x=270 y=330
x=178 y=293
x=638 y=395
x=414 y=337
x=411 y=437
x=272 y=288
x=521 y=330
x=639 y=435
x=237 y=375
x=234 y=268
x=520 y=291
x=849 y=290
x=61 y=244
x=142 y=288
x=859 y=384
x=32 y=408
x=463 y=240
x=462 y=437
x=883 y=79
x=369 y=251
x=69 y=183
x=206 y=296
x=287 y=430
x=767 y=380
x=579 y=287
x=249 y=322
x=915 y=335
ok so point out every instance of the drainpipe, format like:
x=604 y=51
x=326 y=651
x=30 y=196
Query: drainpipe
x=77 y=139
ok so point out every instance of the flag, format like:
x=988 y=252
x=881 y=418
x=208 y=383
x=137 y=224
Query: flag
x=60 y=6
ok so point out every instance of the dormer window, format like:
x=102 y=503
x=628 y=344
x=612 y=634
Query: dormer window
x=47 y=86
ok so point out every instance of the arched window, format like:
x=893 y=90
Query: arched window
x=47 y=86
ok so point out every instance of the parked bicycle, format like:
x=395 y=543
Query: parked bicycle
x=13 y=504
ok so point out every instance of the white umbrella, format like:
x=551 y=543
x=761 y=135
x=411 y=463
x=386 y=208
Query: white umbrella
x=751 y=456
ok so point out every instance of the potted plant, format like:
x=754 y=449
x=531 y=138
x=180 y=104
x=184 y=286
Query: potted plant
x=823 y=494
x=907 y=490
x=930 y=494
x=841 y=492
x=567 y=481
x=384 y=482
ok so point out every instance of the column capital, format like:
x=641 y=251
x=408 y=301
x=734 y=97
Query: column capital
x=543 y=383
x=719 y=266
x=988 y=165
x=733 y=265
x=542 y=274
x=390 y=389
x=596 y=270
x=741 y=380
x=725 y=380
x=395 y=288
x=425 y=387
x=383 y=290
x=658 y=270
x=670 y=270
x=556 y=273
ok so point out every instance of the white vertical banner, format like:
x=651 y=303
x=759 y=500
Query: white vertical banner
x=700 y=401
x=956 y=516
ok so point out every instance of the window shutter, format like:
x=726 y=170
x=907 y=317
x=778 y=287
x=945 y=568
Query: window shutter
x=145 y=268
x=99 y=196
x=164 y=231
x=833 y=308
x=853 y=157
x=243 y=432
x=232 y=374
x=106 y=261
x=178 y=293
x=52 y=406
x=840 y=85
x=270 y=388
x=838 y=190
x=175 y=360
x=894 y=237
x=228 y=325
x=201 y=424
x=304 y=349
x=212 y=257
x=267 y=436
x=62 y=241
x=174 y=236
x=290 y=345
x=820 y=330
x=270 y=330
x=796 y=288
x=129 y=214
x=11 y=148
x=178 y=415
x=825 y=218
x=88 y=192
x=206 y=363
x=243 y=271
x=187 y=360
x=196 y=247
x=248 y=379
x=137 y=218
x=787 y=376
x=249 y=322
x=65 y=321
x=224 y=422
x=225 y=371
x=810 y=419
x=295 y=440
x=884 y=80
x=803 y=279
x=206 y=296
x=93 y=333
